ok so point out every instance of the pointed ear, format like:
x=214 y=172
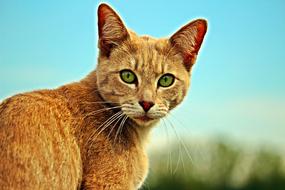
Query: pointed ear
x=111 y=29
x=188 y=41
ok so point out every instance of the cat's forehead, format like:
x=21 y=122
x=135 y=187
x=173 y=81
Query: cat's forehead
x=152 y=57
x=146 y=55
x=149 y=43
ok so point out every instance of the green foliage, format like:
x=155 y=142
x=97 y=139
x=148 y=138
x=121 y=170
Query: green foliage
x=222 y=167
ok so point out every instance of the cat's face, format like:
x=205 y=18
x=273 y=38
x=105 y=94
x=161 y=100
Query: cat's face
x=147 y=77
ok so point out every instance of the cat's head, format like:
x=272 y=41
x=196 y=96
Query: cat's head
x=147 y=77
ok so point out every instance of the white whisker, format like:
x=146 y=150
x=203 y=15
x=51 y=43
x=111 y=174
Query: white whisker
x=119 y=128
x=100 y=102
x=102 y=127
x=118 y=119
x=100 y=110
x=181 y=141
x=169 y=157
x=108 y=122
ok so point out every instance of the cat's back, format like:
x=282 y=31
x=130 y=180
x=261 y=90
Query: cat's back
x=37 y=148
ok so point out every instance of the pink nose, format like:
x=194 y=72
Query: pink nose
x=146 y=105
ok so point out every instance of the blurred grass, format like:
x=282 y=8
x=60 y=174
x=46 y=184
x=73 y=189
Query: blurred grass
x=216 y=166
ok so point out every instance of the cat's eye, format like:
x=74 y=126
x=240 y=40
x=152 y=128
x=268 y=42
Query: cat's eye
x=128 y=76
x=166 y=80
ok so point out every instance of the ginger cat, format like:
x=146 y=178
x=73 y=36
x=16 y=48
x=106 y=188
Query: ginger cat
x=92 y=134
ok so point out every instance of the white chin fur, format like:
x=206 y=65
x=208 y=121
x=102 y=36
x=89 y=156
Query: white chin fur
x=145 y=123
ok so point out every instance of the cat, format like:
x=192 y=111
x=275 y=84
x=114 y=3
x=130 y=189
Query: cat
x=92 y=134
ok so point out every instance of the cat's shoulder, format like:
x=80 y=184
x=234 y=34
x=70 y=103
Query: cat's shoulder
x=36 y=105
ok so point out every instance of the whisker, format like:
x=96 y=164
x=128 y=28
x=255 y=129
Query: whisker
x=103 y=127
x=119 y=128
x=181 y=141
x=119 y=118
x=180 y=122
x=91 y=137
x=180 y=157
x=100 y=102
x=197 y=146
x=108 y=122
x=169 y=155
x=122 y=127
x=100 y=111
x=183 y=165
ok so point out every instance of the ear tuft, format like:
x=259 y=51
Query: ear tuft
x=188 y=40
x=111 y=29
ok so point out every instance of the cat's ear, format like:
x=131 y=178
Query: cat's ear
x=188 y=40
x=111 y=29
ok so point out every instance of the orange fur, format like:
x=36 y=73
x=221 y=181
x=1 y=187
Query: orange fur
x=89 y=134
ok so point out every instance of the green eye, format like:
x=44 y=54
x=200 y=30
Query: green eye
x=166 y=80
x=128 y=76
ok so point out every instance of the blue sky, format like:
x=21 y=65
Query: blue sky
x=238 y=86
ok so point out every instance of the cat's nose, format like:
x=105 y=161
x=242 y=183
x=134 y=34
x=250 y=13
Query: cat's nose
x=146 y=105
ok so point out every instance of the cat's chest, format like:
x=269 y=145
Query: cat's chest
x=126 y=166
x=134 y=162
x=139 y=167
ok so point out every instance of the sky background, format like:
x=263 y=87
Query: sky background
x=238 y=83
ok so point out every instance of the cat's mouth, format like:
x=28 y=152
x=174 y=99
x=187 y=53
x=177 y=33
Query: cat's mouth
x=144 y=118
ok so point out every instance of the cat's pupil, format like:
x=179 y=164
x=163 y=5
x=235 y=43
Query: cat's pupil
x=128 y=75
